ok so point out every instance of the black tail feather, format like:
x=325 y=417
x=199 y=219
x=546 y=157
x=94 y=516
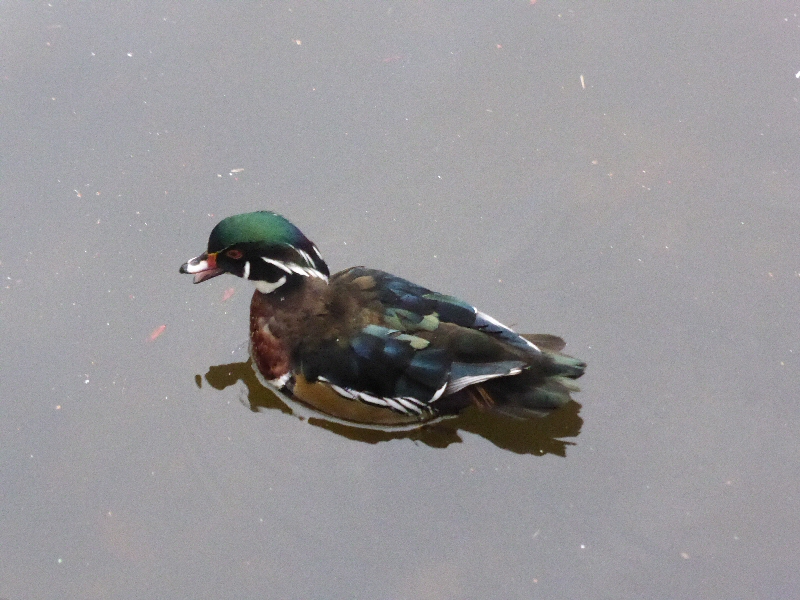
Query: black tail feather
x=538 y=390
x=545 y=341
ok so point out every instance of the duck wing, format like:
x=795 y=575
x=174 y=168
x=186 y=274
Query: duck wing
x=400 y=346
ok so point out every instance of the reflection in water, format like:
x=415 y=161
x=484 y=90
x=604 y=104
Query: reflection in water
x=523 y=436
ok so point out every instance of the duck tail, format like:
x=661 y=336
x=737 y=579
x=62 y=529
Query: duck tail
x=541 y=388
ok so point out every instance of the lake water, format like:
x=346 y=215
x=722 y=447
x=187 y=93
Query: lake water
x=623 y=176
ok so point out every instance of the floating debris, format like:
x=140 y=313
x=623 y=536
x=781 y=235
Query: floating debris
x=157 y=332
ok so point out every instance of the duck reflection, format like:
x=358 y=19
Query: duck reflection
x=537 y=436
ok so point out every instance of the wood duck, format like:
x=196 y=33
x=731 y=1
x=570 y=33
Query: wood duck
x=372 y=348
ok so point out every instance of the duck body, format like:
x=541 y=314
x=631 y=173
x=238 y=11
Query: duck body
x=372 y=348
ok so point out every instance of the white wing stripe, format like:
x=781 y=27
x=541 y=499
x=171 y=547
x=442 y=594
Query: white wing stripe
x=439 y=392
x=459 y=384
x=497 y=323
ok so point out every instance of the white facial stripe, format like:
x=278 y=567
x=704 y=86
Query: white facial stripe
x=265 y=287
x=295 y=268
x=306 y=257
x=277 y=263
x=246 y=273
x=305 y=271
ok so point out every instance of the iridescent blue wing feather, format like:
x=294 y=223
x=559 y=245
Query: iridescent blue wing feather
x=397 y=293
x=419 y=348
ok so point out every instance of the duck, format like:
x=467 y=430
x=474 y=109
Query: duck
x=371 y=348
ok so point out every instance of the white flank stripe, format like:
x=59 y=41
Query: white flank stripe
x=342 y=391
x=409 y=406
x=393 y=403
x=405 y=405
x=375 y=401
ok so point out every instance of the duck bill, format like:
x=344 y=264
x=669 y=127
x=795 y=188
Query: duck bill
x=202 y=267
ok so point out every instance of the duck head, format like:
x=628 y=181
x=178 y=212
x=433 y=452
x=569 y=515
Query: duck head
x=262 y=247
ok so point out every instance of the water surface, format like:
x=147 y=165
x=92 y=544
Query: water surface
x=623 y=176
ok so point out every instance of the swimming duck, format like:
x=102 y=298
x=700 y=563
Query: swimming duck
x=370 y=347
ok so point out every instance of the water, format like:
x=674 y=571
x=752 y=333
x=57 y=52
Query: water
x=625 y=177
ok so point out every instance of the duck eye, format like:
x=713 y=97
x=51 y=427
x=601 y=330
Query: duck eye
x=234 y=254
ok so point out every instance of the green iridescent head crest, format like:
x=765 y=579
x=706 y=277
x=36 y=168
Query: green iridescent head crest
x=262 y=227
